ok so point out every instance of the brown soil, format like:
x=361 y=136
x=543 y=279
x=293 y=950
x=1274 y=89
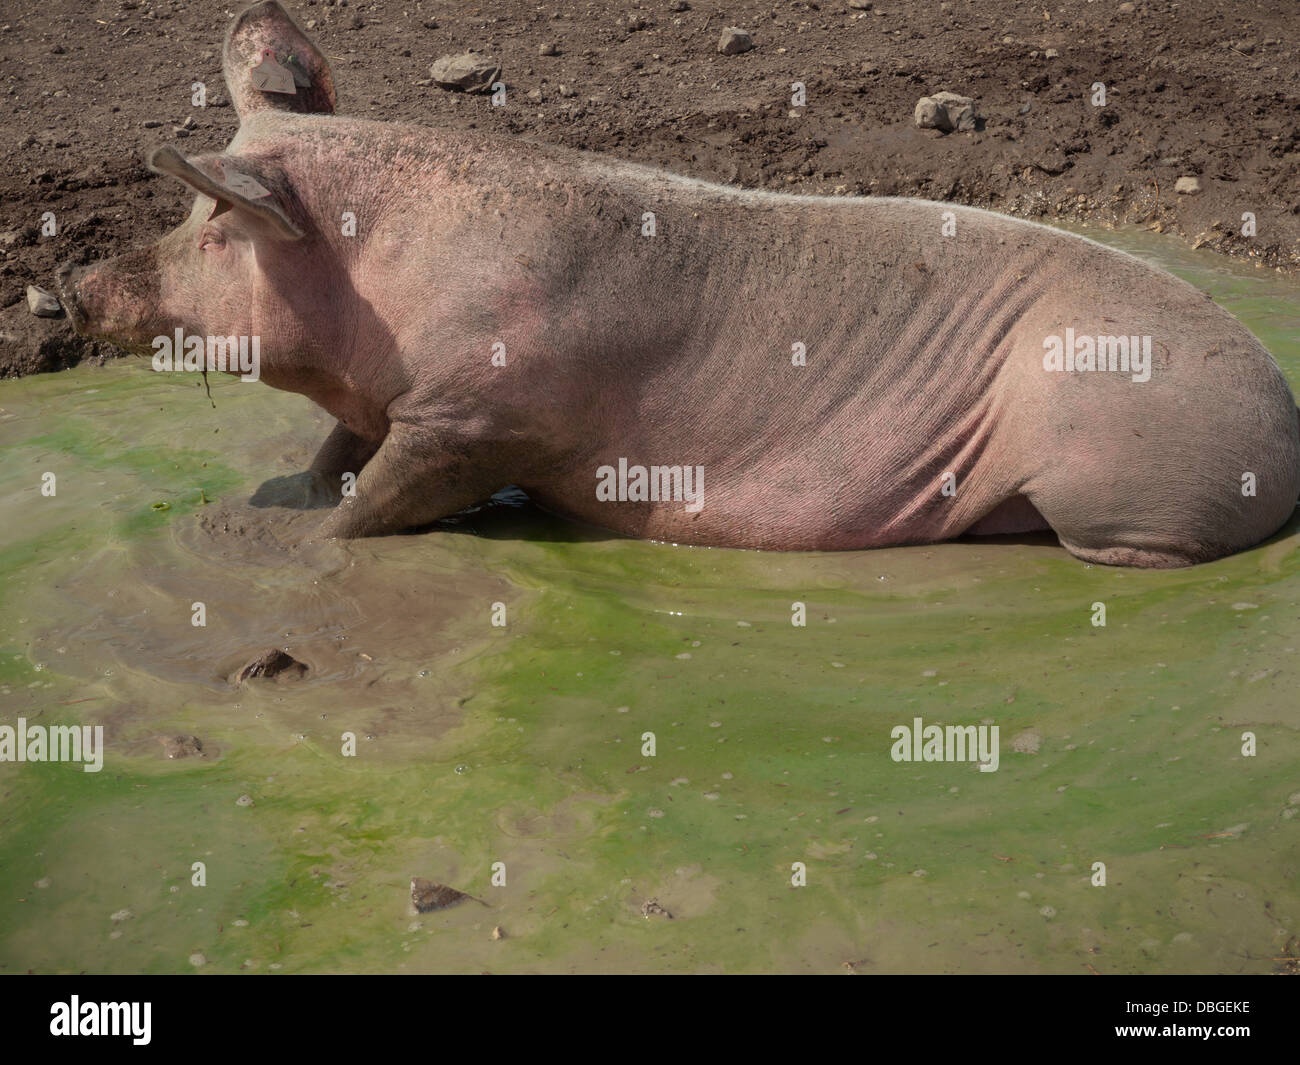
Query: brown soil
x=1210 y=88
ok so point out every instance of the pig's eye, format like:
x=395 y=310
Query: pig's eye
x=211 y=240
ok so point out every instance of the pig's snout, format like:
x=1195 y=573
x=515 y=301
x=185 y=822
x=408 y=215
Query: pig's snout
x=115 y=299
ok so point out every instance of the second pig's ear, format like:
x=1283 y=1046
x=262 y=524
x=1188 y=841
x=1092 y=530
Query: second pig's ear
x=220 y=178
x=271 y=65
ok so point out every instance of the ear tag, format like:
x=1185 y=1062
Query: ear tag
x=238 y=183
x=245 y=186
x=270 y=76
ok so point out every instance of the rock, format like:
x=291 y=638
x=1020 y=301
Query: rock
x=43 y=304
x=734 y=41
x=549 y=48
x=498 y=932
x=651 y=908
x=427 y=896
x=244 y=800
x=1188 y=186
x=946 y=111
x=1051 y=53
x=679 y=5
x=860 y=5
x=1126 y=8
x=567 y=92
x=636 y=22
x=430 y=24
x=182 y=746
x=150 y=123
x=272 y=664
x=467 y=72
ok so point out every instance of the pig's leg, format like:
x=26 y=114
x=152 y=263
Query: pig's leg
x=342 y=452
x=411 y=480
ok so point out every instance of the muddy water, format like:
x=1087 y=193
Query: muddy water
x=477 y=744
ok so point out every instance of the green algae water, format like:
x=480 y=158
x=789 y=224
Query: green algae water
x=511 y=761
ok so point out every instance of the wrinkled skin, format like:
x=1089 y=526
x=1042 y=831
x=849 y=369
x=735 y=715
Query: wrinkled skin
x=924 y=351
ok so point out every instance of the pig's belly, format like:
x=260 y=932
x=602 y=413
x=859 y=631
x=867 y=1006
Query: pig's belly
x=785 y=512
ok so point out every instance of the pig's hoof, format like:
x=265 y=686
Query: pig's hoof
x=300 y=491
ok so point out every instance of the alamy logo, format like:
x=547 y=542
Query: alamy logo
x=1083 y=353
x=102 y=1018
x=230 y=354
x=654 y=484
x=951 y=743
x=55 y=743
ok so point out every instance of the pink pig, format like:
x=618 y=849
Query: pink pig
x=681 y=361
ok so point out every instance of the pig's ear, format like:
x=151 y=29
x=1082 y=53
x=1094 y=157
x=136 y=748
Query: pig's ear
x=231 y=188
x=271 y=65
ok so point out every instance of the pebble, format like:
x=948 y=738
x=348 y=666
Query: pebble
x=43 y=304
x=734 y=41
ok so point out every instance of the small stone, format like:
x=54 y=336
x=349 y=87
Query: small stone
x=651 y=908
x=427 y=896
x=549 y=48
x=182 y=746
x=860 y=5
x=467 y=72
x=1126 y=8
x=946 y=111
x=498 y=932
x=43 y=304
x=734 y=41
x=122 y=915
x=1051 y=53
x=271 y=665
x=244 y=800
x=198 y=960
x=1188 y=186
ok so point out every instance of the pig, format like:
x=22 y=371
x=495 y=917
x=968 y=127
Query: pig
x=680 y=361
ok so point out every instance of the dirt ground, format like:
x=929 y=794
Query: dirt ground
x=1203 y=88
